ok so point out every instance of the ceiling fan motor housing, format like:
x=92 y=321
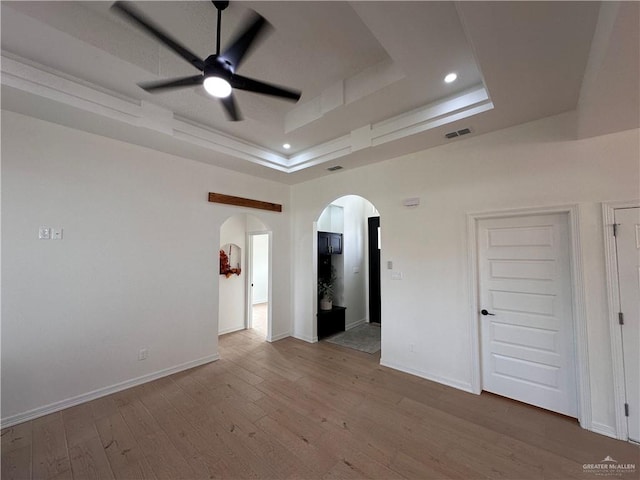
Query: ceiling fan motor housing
x=216 y=66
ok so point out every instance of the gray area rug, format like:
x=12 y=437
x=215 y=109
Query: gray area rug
x=365 y=337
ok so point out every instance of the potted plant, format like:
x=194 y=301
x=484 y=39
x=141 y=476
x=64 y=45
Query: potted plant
x=325 y=290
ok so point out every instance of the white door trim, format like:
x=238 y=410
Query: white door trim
x=608 y=219
x=249 y=276
x=578 y=300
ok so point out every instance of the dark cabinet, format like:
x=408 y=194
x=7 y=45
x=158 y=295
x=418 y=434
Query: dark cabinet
x=330 y=321
x=329 y=243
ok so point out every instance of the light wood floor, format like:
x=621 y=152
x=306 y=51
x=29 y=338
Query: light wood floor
x=295 y=410
x=259 y=318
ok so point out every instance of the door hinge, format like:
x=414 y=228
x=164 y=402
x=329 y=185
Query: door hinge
x=615 y=229
x=626 y=409
x=621 y=318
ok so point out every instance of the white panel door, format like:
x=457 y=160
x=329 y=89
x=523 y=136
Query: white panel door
x=527 y=339
x=628 y=252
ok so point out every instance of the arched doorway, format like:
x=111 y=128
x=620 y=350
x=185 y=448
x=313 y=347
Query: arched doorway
x=245 y=276
x=348 y=269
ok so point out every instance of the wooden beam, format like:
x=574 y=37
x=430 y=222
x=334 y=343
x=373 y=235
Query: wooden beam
x=244 y=202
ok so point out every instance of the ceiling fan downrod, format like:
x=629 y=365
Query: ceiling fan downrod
x=220 y=6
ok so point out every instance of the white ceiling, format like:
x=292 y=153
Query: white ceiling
x=371 y=74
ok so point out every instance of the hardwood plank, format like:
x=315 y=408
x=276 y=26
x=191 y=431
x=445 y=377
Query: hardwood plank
x=103 y=407
x=244 y=374
x=16 y=437
x=296 y=410
x=89 y=461
x=16 y=463
x=49 y=448
x=165 y=460
x=299 y=446
x=124 y=454
x=411 y=468
x=306 y=427
x=78 y=424
x=234 y=463
x=202 y=459
x=357 y=459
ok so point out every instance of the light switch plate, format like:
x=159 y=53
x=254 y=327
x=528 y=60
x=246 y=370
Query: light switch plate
x=56 y=234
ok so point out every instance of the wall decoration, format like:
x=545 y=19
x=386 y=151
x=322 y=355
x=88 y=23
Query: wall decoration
x=230 y=255
x=244 y=202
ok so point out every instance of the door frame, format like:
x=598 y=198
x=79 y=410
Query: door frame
x=249 y=276
x=583 y=394
x=611 y=267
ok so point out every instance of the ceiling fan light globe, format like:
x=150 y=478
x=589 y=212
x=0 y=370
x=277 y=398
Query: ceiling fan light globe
x=217 y=87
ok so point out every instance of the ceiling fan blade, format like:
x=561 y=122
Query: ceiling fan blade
x=130 y=13
x=251 y=85
x=172 y=83
x=243 y=42
x=231 y=108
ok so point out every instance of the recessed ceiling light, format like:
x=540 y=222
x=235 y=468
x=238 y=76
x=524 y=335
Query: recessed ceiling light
x=450 y=78
x=286 y=146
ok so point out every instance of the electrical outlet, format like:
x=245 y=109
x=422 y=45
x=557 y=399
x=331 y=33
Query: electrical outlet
x=143 y=354
x=44 y=233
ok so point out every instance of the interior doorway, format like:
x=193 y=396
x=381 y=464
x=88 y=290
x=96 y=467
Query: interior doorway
x=245 y=260
x=622 y=244
x=258 y=300
x=347 y=297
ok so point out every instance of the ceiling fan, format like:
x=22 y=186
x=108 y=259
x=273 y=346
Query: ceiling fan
x=218 y=71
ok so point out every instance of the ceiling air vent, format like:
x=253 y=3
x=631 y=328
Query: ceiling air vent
x=334 y=168
x=459 y=133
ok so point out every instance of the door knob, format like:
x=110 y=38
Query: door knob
x=484 y=312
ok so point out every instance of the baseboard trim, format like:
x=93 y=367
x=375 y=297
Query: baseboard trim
x=101 y=392
x=355 y=324
x=603 y=429
x=304 y=338
x=465 y=386
x=280 y=336
x=231 y=330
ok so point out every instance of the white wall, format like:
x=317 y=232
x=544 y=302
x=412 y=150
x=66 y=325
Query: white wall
x=535 y=164
x=232 y=299
x=138 y=265
x=331 y=219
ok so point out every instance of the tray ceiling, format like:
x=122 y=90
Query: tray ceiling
x=371 y=74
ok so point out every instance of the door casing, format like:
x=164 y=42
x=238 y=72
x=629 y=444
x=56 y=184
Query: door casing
x=608 y=219
x=578 y=300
